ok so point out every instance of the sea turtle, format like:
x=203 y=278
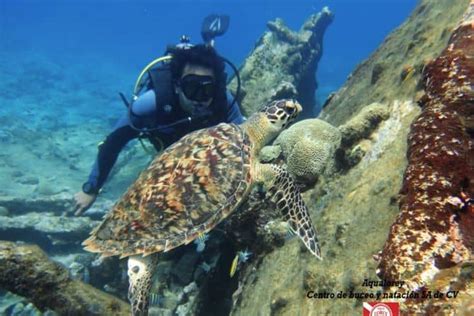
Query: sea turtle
x=194 y=185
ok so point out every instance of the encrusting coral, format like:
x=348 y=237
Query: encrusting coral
x=433 y=231
x=363 y=124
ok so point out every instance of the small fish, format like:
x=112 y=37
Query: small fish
x=200 y=242
x=233 y=266
x=240 y=257
x=156 y=299
x=290 y=234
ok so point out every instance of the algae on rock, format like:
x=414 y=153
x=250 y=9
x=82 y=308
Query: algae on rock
x=26 y=270
x=353 y=211
x=283 y=64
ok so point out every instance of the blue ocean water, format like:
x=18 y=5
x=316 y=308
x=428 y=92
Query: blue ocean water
x=122 y=36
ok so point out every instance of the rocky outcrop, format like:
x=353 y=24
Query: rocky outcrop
x=27 y=271
x=353 y=210
x=48 y=222
x=356 y=132
x=47 y=230
x=363 y=124
x=434 y=230
x=314 y=149
x=283 y=64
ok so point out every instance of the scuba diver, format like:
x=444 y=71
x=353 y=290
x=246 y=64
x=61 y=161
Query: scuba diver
x=186 y=92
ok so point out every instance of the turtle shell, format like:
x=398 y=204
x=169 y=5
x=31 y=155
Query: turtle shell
x=185 y=192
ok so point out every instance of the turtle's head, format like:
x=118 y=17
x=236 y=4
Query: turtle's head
x=267 y=123
x=281 y=113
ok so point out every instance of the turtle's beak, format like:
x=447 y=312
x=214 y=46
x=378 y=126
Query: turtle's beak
x=298 y=107
x=293 y=108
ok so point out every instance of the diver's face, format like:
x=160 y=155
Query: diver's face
x=195 y=88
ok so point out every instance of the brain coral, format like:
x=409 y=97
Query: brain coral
x=308 y=147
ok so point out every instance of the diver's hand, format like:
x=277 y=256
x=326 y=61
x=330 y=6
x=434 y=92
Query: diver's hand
x=82 y=202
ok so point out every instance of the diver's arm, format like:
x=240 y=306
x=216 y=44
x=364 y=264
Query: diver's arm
x=143 y=108
x=233 y=111
x=108 y=154
x=106 y=158
x=125 y=130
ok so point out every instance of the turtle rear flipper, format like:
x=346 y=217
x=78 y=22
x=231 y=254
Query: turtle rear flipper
x=140 y=273
x=285 y=193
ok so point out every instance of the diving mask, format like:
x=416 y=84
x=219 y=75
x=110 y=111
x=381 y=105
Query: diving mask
x=198 y=88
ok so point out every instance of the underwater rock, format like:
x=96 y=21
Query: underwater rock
x=377 y=71
x=29 y=180
x=285 y=90
x=363 y=124
x=184 y=268
x=457 y=280
x=356 y=130
x=434 y=230
x=20 y=309
x=348 y=198
x=48 y=189
x=58 y=204
x=181 y=285
x=283 y=64
x=46 y=229
x=189 y=302
x=79 y=272
x=9 y=301
x=4 y=211
x=308 y=148
x=27 y=271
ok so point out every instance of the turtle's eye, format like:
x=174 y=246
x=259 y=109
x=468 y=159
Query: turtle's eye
x=290 y=110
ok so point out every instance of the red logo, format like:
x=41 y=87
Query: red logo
x=381 y=309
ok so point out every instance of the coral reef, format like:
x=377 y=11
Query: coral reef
x=46 y=229
x=283 y=64
x=27 y=271
x=357 y=129
x=43 y=172
x=353 y=210
x=308 y=148
x=45 y=221
x=362 y=125
x=433 y=231
x=384 y=75
x=458 y=280
x=314 y=147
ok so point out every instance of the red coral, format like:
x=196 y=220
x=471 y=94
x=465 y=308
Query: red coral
x=431 y=232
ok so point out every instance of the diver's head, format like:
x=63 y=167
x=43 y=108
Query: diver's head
x=195 y=88
x=199 y=77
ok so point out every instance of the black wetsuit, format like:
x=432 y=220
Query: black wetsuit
x=151 y=110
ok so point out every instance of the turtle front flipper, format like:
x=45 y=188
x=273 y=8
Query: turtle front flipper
x=140 y=273
x=290 y=203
